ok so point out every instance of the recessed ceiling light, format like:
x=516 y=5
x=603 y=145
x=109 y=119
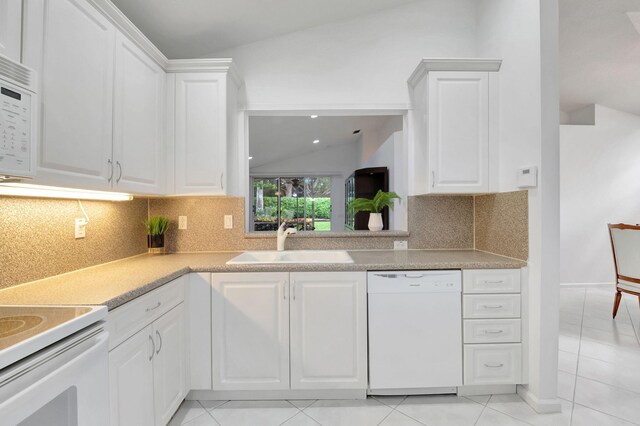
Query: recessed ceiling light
x=316 y=141
x=313 y=116
x=250 y=158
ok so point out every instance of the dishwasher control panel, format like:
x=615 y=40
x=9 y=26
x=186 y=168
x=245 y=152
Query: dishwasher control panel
x=414 y=281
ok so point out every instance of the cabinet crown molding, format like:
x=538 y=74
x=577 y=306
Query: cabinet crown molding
x=453 y=64
x=222 y=65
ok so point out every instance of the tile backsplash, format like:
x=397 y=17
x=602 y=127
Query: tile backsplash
x=37 y=235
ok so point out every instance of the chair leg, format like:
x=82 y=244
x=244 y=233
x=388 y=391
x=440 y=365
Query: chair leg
x=616 y=303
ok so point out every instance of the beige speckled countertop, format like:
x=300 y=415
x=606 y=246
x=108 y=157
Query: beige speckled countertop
x=113 y=284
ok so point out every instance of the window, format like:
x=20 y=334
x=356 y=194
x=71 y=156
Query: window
x=302 y=202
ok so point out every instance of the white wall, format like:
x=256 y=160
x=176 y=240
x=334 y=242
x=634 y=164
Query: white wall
x=390 y=155
x=599 y=184
x=524 y=34
x=362 y=61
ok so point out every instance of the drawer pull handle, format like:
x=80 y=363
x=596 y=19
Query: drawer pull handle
x=153 y=347
x=494 y=365
x=492 y=306
x=493 y=282
x=493 y=331
x=155 y=307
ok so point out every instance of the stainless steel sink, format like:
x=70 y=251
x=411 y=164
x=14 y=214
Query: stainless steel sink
x=291 y=256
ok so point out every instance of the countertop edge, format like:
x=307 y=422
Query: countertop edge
x=205 y=265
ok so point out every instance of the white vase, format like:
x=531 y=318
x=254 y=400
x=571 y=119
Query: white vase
x=375 y=221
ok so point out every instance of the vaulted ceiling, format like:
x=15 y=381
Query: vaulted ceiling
x=195 y=28
x=599 y=55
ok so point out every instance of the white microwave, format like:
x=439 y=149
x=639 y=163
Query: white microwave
x=17 y=120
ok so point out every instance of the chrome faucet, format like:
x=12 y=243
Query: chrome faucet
x=283 y=232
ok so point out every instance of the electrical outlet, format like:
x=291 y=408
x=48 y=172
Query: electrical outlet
x=228 y=221
x=400 y=245
x=182 y=222
x=80 y=228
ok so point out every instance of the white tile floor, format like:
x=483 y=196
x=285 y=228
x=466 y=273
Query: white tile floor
x=598 y=381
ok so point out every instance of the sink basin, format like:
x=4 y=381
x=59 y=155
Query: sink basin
x=291 y=256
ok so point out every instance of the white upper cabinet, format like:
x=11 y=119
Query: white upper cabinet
x=328 y=330
x=10 y=28
x=250 y=331
x=454 y=127
x=205 y=121
x=138 y=127
x=102 y=101
x=74 y=58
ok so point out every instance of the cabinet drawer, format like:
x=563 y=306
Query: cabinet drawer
x=131 y=317
x=492 y=364
x=491 y=306
x=492 y=331
x=491 y=281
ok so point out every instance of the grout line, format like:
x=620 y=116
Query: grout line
x=606 y=414
x=635 y=330
x=388 y=414
x=575 y=378
x=480 y=416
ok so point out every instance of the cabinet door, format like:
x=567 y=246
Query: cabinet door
x=458 y=131
x=328 y=330
x=131 y=380
x=10 y=28
x=250 y=328
x=77 y=95
x=169 y=364
x=200 y=133
x=138 y=119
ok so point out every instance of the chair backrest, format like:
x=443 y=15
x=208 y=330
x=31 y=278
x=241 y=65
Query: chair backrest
x=625 y=242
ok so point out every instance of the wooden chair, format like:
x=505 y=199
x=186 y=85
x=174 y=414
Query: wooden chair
x=625 y=243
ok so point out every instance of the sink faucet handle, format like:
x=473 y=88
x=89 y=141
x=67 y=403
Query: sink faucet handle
x=282 y=226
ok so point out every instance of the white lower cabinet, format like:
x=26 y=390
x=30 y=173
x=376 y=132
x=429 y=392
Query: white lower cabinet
x=250 y=331
x=492 y=327
x=328 y=330
x=492 y=364
x=131 y=372
x=169 y=368
x=147 y=371
x=279 y=331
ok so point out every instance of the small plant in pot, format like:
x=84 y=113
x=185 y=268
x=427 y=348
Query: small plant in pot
x=380 y=201
x=156 y=228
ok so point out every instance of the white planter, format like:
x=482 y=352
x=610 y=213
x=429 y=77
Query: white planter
x=375 y=221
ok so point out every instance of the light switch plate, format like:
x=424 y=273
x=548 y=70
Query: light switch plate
x=182 y=222
x=228 y=221
x=80 y=228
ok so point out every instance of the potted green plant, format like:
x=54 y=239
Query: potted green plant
x=156 y=228
x=374 y=206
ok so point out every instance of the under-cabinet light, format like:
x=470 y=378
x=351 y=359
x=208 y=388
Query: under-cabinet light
x=313 y=116
x=41 y=191
x=316 y=141
x=250 y=158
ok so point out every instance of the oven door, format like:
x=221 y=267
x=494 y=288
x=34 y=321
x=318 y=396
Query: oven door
x=65 y=384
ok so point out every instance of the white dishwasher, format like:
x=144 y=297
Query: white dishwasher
x=415 y=332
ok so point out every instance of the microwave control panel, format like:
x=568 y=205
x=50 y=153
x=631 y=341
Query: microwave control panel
x=15 y=130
